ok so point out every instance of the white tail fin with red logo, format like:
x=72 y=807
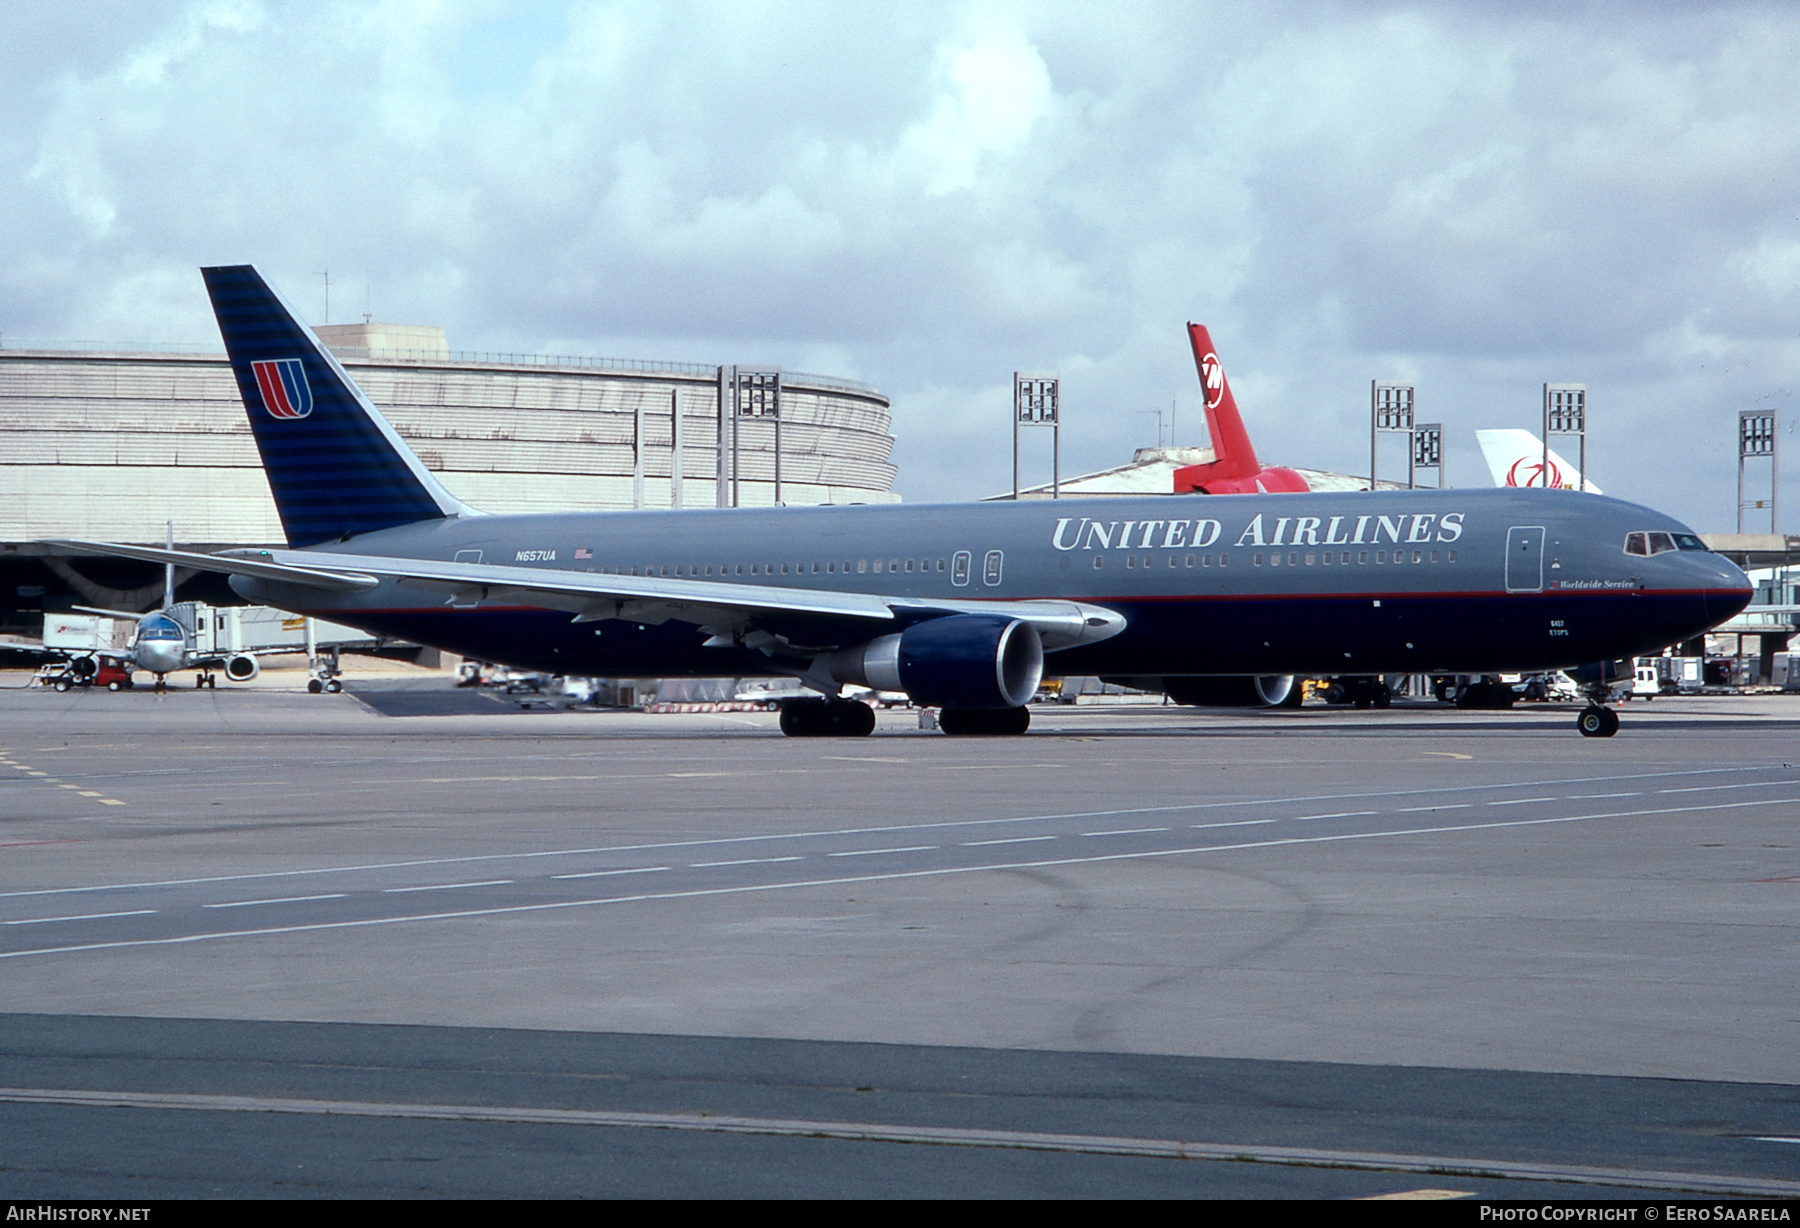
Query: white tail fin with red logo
x=1516 y=458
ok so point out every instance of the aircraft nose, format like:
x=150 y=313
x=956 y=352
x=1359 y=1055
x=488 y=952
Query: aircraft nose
x=1728 y=589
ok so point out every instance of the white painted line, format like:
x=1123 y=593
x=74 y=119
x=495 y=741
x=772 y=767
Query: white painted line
x=492 y=882
x=610 y=873
x=91 y=916
x=889 y=1132
x=846 y=880
x=1523 y=801
x=1775 y=1138
x=914 y=848
x=1760 y=784
x=602 y=850
x=1129 y=831
x=743 y=861
x=1342 y=814
x=976 y=844
x=1442 y=806
x=292 y=899
x=1588 y=797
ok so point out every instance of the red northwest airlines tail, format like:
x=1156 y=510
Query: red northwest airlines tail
x=1234 y=469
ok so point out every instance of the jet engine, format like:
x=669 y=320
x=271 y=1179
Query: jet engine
x=973 y=661
x=242 y=668
x=1261 y=691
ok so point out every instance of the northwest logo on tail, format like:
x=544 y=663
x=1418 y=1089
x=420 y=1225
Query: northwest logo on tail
x=285 y=392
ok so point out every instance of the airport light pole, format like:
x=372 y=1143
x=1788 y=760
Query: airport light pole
x=1756 y=439
x=1037 y=401
x=1427 y=451
x=758 y=395
x=725 y=460
x=1565 y=413
x=1390 y=412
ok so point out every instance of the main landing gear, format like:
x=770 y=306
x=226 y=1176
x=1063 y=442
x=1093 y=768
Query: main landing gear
x=962 y=721
x=1597 y=722
x=827 y=718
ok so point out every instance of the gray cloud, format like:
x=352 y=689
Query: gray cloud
x=1478 y=199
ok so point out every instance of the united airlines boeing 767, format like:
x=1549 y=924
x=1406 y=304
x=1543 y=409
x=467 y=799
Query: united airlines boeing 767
x=962 y=607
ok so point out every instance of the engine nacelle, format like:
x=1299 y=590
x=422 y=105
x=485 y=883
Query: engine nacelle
x=1261 y=691
x=958 y=661
x=242 y=668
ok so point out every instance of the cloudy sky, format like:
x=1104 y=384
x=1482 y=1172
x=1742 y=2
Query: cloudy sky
x=928 y=196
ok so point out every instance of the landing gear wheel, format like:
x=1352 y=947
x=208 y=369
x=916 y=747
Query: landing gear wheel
x=827 y=718
x=333 y=687
x=1597 y=722
x=314 y=686
x=960 y=722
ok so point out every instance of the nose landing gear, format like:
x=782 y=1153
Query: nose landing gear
x=1597 y=722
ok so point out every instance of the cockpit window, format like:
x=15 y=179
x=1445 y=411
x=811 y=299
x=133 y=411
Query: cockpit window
x=1649 y=543
x=160 y=628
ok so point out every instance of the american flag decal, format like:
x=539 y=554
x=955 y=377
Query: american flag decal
x=282 y=382
x=583 y=553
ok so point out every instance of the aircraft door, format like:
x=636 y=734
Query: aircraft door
x=1525 y=559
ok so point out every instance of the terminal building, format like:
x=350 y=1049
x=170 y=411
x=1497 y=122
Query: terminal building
x=119 y=443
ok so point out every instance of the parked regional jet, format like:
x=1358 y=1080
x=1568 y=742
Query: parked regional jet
x=1517 y=458
x=961 y=607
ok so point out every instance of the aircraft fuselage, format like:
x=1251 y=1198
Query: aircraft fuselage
x=1471 y=581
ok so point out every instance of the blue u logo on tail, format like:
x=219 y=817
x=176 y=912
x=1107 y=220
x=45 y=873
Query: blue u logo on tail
x=285 y=392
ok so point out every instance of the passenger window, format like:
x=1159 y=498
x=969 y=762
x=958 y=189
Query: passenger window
x=1256 y=560
x=1223 y=559
x=959 y=567
x=1099 y=561
x=893 y=564
x=909 y=564
x=990 y=570
x=1325 y=558
x=1417 y=556
x=862 y=565
x=831 y=566
x=1190 y=560
x=784 y=569
x=1362 y=556
x=1131 y=560
x=1452 y=557
x=1309 y=558
x=877 y=566
x=1381 y=556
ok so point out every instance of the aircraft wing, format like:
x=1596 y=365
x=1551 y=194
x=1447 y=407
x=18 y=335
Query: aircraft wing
x=725 y=608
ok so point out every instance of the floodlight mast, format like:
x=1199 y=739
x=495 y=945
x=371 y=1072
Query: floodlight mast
x=1390 y=413
x=1037 y=401
x=1565 y=413
x=1427 y=452
x=1757 y=439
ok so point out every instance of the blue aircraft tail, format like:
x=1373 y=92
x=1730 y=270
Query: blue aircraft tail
x=335 y=465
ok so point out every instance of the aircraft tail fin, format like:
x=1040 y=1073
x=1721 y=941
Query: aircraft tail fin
x=1234 y=468
x=335 y=466
x=1516 y=458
